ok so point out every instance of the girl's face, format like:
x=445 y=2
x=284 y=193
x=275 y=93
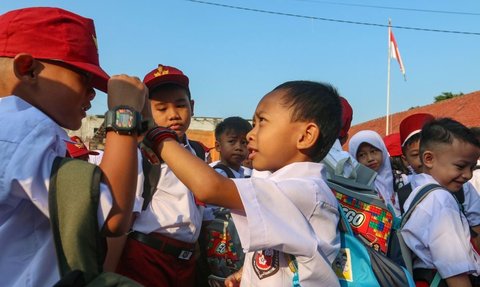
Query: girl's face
x=370 y=156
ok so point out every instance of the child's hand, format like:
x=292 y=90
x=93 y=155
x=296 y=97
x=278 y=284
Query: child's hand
x=126 y=90
x=234 y=279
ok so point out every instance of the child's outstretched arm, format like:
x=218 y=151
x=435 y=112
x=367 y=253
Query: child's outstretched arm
x=208 y=185
x=119 y=163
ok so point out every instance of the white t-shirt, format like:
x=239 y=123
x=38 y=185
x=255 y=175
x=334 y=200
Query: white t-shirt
x=29 y=143
x=172 y=211
x=438 y=233
x=291 y=211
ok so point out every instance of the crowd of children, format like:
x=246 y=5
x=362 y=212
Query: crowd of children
x=160 y=194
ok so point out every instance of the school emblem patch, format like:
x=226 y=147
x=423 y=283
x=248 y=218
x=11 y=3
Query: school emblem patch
x=265 y=263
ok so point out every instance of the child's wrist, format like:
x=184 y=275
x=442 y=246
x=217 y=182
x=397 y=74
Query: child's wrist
x=156 y=135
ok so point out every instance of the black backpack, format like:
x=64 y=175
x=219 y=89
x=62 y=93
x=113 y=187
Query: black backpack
x=73 y=199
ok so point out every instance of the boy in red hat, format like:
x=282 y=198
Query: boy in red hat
x=48 y=71
x=164 y=234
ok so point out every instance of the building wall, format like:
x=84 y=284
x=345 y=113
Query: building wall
x=201 y=129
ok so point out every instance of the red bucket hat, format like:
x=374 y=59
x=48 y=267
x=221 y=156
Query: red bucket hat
x=392 y=142
x=412 y=125
x=165 y=75
x=77 y=148
x=53 y=34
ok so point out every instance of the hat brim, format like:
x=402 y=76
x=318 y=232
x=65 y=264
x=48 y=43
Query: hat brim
x=180 y=80
x=99 y=77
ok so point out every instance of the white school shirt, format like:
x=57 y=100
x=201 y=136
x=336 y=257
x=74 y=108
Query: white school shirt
x=471 y=205
x=438 y=233
x=29 y=142
x=172 y=211
x=291 y=211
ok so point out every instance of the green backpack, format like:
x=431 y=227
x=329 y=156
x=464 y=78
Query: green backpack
x=73 y=199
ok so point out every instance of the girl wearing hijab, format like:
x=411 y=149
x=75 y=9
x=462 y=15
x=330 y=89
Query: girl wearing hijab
x=369 y=149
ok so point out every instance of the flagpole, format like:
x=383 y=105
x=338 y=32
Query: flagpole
x=388 y=79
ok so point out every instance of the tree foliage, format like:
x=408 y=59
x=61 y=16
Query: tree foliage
x=446 y=96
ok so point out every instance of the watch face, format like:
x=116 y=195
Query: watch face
x=124 y=118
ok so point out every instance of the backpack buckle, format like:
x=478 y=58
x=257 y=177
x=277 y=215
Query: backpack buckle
x=185 y=255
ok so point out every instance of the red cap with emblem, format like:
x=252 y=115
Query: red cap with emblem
x=392 y=142
x=53 y=34
x=77 y=148
x=412 y=125
x=165 y=75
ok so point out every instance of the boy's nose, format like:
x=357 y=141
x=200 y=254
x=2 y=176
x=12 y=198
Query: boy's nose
x=173 y=114
x=467 y=174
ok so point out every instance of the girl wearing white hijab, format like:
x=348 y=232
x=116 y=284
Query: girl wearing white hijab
x=369 y=149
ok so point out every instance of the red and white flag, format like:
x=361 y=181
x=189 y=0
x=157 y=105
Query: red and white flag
x=395 y=53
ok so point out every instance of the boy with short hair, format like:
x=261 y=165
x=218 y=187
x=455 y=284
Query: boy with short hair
x=160 y=249
x=231 y=144
x=287 y=222
x=437 y=231
x=48 y=69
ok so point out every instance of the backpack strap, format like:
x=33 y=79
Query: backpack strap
x=424 y=191
x=198 y=148
x=406 y=252
x=226 y=169
x=73 y=199
x=403 y=194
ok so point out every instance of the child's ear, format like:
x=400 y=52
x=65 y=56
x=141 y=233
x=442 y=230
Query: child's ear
x=309 y=136
x=428 y=157
x=192 y=104
x=217 y=146
x=25 y=67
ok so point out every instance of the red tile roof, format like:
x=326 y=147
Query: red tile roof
x=465 y=109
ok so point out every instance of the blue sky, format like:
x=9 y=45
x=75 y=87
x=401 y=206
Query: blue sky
x=233 y=57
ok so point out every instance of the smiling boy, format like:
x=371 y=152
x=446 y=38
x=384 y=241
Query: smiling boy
x=448 y=152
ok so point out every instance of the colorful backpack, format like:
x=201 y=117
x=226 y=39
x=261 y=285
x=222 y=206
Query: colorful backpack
x=358 y=265
x=367 y=214
x=221 y=243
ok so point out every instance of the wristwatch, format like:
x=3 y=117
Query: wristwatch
x=123 y=120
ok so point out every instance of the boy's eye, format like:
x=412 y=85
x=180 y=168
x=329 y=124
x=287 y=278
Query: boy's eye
x=459 y=166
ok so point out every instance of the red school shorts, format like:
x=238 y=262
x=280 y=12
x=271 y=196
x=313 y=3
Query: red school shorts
x=151 y=267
